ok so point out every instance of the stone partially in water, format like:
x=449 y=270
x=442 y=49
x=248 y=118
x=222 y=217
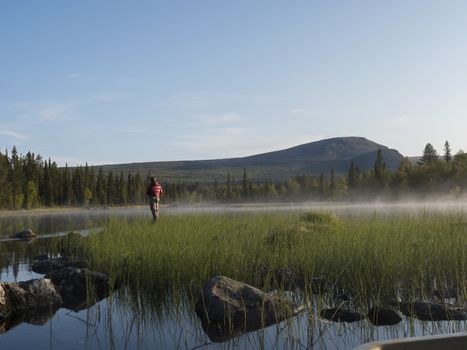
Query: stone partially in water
x=25 y=234
x=341 y=315
x=383 y=316
x=30 y=296
x=80 y=288
x=431 y=311
x=45 y=266
x=229 y=308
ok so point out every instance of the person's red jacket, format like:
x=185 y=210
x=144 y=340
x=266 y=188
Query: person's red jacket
x=155 y=190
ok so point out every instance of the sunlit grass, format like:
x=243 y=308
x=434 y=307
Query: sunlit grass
x=371 y=258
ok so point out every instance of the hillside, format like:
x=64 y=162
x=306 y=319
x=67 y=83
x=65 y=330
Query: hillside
x=310 y=158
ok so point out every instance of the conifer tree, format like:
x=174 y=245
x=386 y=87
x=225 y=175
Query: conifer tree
x=332 y=183
x=4 y=183
x=15 y=178
x=352 y=175
x=67 y=191
x=229 y=186
x=447 y=152
x=429 y=155
x=100 y=188
x=110 y=198
x=244 y=184
x=322 y=188
x=121 y=189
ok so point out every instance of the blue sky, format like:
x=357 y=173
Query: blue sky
x=127 y=81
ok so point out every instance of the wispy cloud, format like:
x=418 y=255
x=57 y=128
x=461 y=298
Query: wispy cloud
x=73 y=76
x=53 y=112
x=13 y=134
x=219 y=119
x=45 y=111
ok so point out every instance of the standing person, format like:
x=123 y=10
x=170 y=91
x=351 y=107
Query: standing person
x=154 y=192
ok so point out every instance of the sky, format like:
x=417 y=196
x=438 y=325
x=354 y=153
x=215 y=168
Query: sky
x=132 y=81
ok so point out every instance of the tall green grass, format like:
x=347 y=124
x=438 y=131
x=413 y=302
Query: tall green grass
x=372 y=258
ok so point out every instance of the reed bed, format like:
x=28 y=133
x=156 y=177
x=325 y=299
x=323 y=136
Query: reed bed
x=370 y=258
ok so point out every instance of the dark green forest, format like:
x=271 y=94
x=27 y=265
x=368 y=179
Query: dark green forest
x=29 y=181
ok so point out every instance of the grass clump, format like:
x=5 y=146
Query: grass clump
x=320 y=218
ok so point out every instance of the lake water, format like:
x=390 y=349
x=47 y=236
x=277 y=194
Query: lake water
x=121 y=322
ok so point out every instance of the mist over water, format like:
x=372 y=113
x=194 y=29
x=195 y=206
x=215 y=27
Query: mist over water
x=46 y=221
x=111 y=325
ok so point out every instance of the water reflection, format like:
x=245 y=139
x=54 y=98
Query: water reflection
x=135 y=319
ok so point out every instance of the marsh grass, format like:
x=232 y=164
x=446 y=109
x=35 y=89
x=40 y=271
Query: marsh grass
x=371 y=258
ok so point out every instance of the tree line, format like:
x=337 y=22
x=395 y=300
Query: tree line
x=29 y=181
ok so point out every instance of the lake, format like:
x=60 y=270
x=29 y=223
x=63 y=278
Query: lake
x=122 y=321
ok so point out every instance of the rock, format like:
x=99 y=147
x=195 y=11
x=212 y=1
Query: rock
x=80 y=287
x=45 y=266
x=431 y=311
x=42 y=257
x=25 y=234
x=341 y=315
x=229 y=308
x=21 y=297
x=34 y=317
x=383 y=316
x=34 y=301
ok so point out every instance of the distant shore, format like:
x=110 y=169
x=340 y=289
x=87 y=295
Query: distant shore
x=58 y=210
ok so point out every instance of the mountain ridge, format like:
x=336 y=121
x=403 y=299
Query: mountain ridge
x=306 y=159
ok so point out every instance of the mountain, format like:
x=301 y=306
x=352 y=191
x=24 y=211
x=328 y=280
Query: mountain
x=310 y=158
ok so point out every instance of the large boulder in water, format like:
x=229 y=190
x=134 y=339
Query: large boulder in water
x=80 y=288
x=229 y=308
x=33 y=295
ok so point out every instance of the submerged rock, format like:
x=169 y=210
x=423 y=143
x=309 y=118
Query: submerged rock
x=25 y=234
x=80 y=288
x=45 y=266
x=229 y=308
x=431 y=311
x=341 y=315
x=383 y=316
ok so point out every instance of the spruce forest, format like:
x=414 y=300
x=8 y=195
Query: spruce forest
x=29 y=181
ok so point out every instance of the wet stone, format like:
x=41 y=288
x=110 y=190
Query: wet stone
x=341 y=315
x=228 y=308
x=25 y=234
x=383 y=316
x=431 y=311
